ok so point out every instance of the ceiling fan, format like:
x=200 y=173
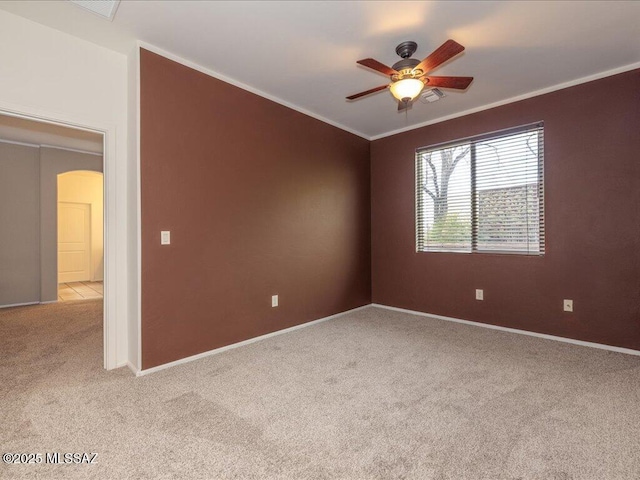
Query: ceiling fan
x=409 y=76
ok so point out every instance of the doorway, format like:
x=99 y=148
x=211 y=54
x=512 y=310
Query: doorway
x=80 y=235
x=37 y=159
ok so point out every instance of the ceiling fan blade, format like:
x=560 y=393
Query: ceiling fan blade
x=444 y=52
x=377 y=66
x=459 y=83
x=403 y=105
x=362 y=94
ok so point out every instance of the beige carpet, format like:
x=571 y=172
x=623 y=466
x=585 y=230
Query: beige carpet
x=373 y=394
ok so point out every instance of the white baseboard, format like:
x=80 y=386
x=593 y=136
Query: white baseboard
x=128 y=365
x=48 y=302
x=572 y=341
x=132 y=367
x=140 y=373
x=19 y=304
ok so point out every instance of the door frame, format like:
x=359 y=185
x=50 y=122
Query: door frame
x=112 y=235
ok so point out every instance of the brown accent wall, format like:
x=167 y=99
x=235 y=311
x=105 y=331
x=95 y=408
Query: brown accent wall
x=592 y=190
x=260 y=200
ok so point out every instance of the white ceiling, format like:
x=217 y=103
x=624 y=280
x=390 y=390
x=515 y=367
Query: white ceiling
x=303 y=53
x=21 y=130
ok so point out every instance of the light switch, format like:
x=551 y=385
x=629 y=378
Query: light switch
x=165 y=237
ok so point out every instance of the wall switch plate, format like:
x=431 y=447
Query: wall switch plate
x=567 y=305
x=479 y=294
x=165 y=237
x=274 y=300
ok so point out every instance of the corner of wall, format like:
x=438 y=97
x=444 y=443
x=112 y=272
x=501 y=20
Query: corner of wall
x=133 y=219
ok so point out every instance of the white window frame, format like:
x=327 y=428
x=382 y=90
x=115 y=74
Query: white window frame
x=421 y=195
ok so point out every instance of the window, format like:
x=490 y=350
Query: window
x=482 y=195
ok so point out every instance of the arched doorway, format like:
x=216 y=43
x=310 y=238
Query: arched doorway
x=80 y=235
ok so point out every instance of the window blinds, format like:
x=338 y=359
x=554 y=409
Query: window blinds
x=484 y=194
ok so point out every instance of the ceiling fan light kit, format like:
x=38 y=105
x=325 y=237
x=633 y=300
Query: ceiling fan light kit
x=406 y=89
x=409 y=76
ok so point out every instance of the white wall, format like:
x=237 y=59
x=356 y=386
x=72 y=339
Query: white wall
x=49 y=74
x=86 y=187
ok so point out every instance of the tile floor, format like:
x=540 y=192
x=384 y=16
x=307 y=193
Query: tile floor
x=80 y=291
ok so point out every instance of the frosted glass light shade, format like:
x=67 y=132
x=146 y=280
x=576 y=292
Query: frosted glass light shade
x=407 y=88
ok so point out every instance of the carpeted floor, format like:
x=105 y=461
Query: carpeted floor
x=372 y=394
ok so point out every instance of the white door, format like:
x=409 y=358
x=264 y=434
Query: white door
x=74 y=242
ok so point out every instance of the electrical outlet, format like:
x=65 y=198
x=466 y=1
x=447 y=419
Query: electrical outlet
x=567 y=305
x=479 y=294
x=165 y=237
x=274 y=300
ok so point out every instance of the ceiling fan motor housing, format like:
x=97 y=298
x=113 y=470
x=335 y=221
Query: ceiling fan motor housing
x=406 y=49
x=405 y=64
